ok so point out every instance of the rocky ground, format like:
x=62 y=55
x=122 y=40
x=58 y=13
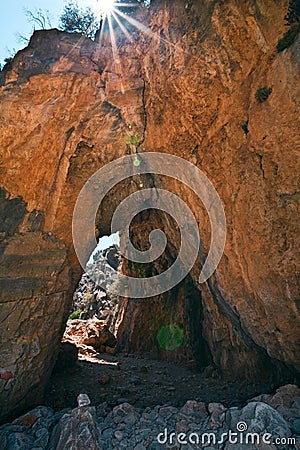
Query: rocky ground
x=138 y=402
x=97 y=399
x=266 y=422
x=143 y=382
x=137 y=379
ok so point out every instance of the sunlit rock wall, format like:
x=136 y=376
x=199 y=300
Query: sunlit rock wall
x=200 y=93
x=62 y=116
x=66 y=109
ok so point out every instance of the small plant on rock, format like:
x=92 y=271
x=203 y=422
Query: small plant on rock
x=8 y=60
x=262 y=94
x=133 y=139
x=96 y=256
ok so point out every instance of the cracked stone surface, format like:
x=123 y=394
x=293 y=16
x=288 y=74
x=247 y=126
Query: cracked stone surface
x=66 y=112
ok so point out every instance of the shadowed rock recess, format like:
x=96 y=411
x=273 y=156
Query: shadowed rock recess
x=65 y=112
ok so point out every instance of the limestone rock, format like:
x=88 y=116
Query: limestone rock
x=65 y=114
x=98 y=335
x=153 y=428
x=262 y=418
x=76 y=431
x=89 y=333
x=83 y=400
x=92 y=296
x=217 y=411
x=34 y=304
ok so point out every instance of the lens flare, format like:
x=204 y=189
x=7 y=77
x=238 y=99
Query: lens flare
x=104 y=7
x=170 y=337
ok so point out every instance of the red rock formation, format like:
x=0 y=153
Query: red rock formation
x=65 y=110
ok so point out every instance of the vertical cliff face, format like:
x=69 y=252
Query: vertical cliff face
x=66 y=109
x=251 y=311
x=62 y=116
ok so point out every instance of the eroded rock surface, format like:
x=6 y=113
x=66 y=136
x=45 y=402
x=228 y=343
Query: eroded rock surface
x=33 y=289
x=49 y=148
x=194 y=425
x=89 y=335
x=250 y=306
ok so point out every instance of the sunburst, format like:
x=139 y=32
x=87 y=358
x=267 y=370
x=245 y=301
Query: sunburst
x=112 y=15
x=108 y=11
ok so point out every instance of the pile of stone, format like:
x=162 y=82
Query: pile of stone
x=92 y=297
x=267 y=422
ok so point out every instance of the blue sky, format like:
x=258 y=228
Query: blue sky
x=105 y=242
x=13 y=20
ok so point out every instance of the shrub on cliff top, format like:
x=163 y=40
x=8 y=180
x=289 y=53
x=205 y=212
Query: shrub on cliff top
x=76 y=20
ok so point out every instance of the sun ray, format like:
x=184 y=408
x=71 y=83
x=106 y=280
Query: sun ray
x=76 y=46
x=113 y=40
x=137 y=24
x=147 y=30
x=113 y=13
x=102 y=30
x=116 y=57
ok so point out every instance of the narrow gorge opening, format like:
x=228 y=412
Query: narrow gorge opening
x=91 y=325
x=91 y=298
x=120 y=349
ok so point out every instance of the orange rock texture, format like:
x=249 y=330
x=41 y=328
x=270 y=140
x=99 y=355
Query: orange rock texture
x=189 y=90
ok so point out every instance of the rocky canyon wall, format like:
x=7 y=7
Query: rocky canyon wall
x=57 y=127
x=200 y=104
x=66 y=108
